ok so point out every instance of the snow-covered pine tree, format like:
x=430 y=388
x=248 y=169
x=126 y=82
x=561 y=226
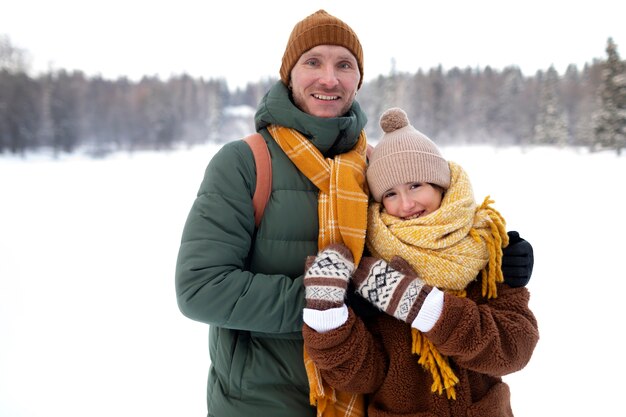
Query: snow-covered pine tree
x=551 y=127
x=610 y=118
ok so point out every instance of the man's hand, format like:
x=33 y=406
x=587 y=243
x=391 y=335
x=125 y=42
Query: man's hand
x=517 y=261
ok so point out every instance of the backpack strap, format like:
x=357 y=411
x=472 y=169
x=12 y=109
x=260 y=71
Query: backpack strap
x=263 y=165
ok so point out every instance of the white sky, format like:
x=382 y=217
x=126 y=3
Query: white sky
x=244 y=40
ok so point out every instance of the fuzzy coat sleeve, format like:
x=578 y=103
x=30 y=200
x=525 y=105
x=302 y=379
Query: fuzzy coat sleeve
x=350 y=357
x=494 y=337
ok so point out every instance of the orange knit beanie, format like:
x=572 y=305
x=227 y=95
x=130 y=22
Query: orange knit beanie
x=320 y=28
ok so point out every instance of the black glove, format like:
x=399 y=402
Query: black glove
x=517 y=261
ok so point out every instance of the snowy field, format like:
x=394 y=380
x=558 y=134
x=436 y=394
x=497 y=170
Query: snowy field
x=88 y=319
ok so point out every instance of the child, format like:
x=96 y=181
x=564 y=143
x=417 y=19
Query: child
x=444 y=338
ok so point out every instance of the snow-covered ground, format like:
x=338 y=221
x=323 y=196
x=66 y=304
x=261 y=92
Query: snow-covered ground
x=88 y=319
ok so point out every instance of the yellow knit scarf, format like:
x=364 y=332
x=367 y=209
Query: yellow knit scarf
x=342 y=211
x=447 y=248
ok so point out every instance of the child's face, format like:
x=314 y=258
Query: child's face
x=412 y=200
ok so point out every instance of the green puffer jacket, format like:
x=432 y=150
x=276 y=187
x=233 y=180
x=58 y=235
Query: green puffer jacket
x=248 y=286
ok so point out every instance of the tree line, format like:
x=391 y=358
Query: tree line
x=64 y=111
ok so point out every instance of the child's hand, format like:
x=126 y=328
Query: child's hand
x=326 y=277
x=392 y=287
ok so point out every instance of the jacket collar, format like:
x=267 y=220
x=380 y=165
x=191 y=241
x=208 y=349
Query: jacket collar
x=331 y=136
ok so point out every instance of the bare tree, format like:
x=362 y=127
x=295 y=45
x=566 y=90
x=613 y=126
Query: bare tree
x=12 y=59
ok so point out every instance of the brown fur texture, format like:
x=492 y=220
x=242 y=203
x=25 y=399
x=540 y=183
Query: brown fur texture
x=484 y=339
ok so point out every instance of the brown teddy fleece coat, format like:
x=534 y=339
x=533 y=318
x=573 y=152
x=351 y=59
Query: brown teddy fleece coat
x=484 y=340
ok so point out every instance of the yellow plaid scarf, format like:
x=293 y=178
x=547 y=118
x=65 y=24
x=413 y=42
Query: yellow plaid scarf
x=447 y=248
x=342 y=212
x=342 y=201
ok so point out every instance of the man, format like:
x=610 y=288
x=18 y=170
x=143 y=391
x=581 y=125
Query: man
x=246 y=282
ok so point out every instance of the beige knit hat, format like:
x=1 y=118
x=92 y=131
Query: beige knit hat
x=403 y=155
x=320 y=28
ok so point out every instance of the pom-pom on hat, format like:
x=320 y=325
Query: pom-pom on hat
x=320 y=28
x=404 y=155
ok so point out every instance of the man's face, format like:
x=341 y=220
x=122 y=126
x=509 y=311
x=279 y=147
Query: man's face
x=324 y=81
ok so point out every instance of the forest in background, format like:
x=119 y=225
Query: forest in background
x=64 y=111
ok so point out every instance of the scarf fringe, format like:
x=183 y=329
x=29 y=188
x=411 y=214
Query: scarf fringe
x=495 y=238
x=320 y=396
x=436 y=363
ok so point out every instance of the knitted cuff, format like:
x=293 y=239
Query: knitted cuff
x=430 y=311
x=323 y=321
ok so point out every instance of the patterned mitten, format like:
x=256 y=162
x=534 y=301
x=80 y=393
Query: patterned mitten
x=326 y=277
x=392 y=287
